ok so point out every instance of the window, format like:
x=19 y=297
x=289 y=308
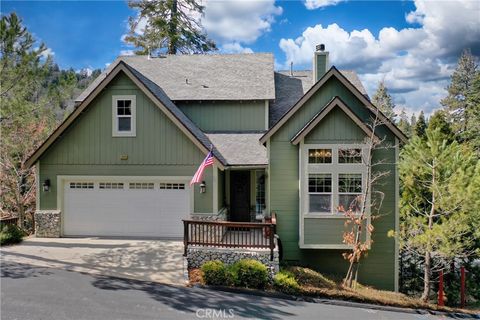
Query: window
x=350 y=191
x=320 y=192
x=124 y=116
x=320 y=156
x=111 y=185
x=141 y=185
x=334 y=178
x=81 y=185
x=260 y=192
x=172 y=186
x=350 y=155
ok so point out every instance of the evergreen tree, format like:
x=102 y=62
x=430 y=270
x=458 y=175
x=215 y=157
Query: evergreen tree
x=458 y=107
x=25 y=118
x=170 y=26
x=404 y=124
x=383 y=101
x=420 y=126
x=439 y=205
x=472 y=132
x=439 y=121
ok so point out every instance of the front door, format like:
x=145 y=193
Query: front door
x=240 y=196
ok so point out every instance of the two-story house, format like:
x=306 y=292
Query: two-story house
x=121 y=163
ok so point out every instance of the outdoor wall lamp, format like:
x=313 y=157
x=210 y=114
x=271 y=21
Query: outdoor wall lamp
x=203 y=187
x=46 y=185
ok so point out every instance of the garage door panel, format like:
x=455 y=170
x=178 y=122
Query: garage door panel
x=135 y=210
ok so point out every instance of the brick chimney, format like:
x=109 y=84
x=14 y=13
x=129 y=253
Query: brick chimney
x=320 y=62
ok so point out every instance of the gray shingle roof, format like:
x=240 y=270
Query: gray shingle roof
x=205 y=77
x=240 y=149
x=160 y=95
x=289 y=89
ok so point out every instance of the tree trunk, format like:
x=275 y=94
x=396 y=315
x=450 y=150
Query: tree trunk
x=428 y=262
x=426 y=277
x=172 y=37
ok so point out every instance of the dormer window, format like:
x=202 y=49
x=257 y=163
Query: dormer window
x=124 y=116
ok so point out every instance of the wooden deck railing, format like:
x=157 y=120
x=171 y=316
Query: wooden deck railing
x=9 y=220
x=227 y=234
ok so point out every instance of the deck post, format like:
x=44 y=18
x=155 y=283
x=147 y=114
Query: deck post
x=272 y=240
x=185 y=237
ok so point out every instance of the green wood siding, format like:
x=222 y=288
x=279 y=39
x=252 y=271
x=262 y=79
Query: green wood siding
x=226 y=115
x=335 y=127
x=160 y=148
x=327 y=231
x=378 y=268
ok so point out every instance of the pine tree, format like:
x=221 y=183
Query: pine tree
x=439 y=205
x=472 y=132
x=404 y=124
x=420 y=126
x=383 y=101
x=170 y=27
x=439 y=121
x=456 y=104
x=25 y=115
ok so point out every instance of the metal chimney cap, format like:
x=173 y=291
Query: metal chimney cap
x=320 y=47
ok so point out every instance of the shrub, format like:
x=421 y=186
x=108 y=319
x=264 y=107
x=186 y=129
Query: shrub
x=11 y=234
x=215 y=273
x=285 y=282
x=249 y=273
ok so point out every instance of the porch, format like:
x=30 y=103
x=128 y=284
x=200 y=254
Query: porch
x=252 y=236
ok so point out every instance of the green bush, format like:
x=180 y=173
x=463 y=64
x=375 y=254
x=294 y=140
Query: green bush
x=285 y=282
x=249 y=273
x=215 y=273
x=11 y=234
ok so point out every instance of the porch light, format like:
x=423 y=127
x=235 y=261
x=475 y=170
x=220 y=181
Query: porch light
x=46 y=185
x=203 y=187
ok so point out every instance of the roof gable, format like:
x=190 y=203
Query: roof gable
x=335 y=103
x=332 y=73
x=154 y=93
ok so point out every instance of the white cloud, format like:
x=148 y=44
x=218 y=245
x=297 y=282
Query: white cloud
x=127 y=52
x=46 y=53
x=235 y=47
x=414 y=62
x=315 y=4
x=239 y=21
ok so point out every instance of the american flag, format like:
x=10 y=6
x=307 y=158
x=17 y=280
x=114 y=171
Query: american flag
x=197 y=178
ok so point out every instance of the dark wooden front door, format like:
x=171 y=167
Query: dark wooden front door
x=240 y=196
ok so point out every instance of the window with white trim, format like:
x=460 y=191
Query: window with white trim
x=124 y=116
x=334 y=178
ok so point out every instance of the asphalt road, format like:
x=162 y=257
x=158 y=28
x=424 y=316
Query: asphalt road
x=29 y=292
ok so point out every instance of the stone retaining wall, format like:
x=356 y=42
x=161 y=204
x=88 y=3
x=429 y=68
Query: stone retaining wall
x=48 y=224
x=197 y=256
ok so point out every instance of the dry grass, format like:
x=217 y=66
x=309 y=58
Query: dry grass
x=195 y=276
x=315 y=284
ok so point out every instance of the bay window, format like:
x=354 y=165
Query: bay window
x=333 y=179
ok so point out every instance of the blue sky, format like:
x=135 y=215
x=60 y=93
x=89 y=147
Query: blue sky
x=412 y=45
x=88 y=33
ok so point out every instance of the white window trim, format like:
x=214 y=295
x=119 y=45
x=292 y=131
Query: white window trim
x=115 y=116
x=334 y=168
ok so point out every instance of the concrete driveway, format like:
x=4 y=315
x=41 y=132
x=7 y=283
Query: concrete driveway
x=147 y=260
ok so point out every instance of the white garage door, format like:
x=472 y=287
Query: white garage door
x=125 y=208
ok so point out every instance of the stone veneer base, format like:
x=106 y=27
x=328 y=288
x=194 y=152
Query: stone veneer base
x=197 y=256
x=48 y=224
